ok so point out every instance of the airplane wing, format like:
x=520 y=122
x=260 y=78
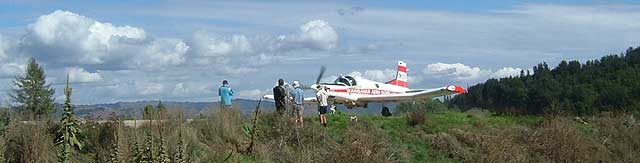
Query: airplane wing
x=268 y=97
x=310 y=100
x=413 y=94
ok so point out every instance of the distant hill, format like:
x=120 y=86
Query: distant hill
x=135 y=109
x=131 y=110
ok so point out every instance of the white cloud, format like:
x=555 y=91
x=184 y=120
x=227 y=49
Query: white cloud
x=180 y=89
x=320 y=34
x=376 y=75
x=461 y=72
x=148 y=88
x=77 y=74
x=456 y=71
x=160 y=53
x=262 y=59
x=194 y=89
x=12 y=69
x=242 y=54
x=4 y=48
x=209 y=45
x=64 y=37
x=507 y=72
x=316 y=34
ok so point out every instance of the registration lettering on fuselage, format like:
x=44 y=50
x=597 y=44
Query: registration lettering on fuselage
x=370 y=91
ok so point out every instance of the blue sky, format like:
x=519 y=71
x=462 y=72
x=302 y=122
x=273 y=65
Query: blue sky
x=181 y=50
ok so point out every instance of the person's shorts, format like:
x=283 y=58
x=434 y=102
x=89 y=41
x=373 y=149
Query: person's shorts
x=323 y=109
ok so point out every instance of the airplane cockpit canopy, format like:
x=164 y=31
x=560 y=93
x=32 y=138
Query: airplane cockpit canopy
x=346 y=80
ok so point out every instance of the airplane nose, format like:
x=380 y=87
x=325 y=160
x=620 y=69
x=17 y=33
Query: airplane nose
x=459 y=89
x=455 y=88
x=314 y=86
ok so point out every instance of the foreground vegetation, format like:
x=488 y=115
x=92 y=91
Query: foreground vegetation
x=417 y=136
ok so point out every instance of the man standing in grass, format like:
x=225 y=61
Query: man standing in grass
x=323 y=104
x=226 y=93
x=298 y=100
x=279 y=96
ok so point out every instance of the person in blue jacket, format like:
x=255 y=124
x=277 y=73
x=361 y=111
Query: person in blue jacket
x=298 y=103
x=226 y=93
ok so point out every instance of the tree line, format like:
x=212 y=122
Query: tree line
x=611 y=83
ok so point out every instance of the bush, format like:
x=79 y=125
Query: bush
x=29 y=141
x=620 y=133
x=415 y=118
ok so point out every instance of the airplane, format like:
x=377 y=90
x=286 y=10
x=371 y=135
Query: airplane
x=355 y=91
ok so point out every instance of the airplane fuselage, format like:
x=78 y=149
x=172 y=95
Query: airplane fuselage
x=347 y=89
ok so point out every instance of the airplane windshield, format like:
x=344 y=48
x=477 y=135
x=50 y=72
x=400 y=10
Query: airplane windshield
x=346 y=80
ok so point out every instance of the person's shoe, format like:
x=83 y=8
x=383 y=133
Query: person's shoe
x=324 y=125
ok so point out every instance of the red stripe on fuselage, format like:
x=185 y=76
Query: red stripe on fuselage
x=337 y=90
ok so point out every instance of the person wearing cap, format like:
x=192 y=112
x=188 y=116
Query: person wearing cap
x=297 y=94
x=279 y=95
x=226 y=93
x=323 y=104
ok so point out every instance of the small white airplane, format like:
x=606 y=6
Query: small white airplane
x=355 y=91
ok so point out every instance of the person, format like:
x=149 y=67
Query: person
x=385 y=112
x=226 y=93
x=279 y=95
x=297 y=94
x=323 y=104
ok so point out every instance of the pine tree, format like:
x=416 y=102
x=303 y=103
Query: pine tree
x=32 y=92
x=69 y=130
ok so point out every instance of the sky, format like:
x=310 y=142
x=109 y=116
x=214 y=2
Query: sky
x=181 y=50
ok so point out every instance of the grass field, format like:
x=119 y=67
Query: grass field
x=445 y=136
x=484 y=137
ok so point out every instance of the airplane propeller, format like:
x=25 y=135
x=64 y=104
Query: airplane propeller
x=322 y=68
x=320 y=75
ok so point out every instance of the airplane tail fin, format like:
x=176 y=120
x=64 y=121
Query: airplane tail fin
x=401 y=76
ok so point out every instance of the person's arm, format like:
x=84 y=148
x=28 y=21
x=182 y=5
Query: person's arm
x=220 y=91
x=230 y=91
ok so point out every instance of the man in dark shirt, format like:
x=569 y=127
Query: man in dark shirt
x=279 y=95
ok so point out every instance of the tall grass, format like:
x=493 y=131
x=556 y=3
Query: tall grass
x=225 y=135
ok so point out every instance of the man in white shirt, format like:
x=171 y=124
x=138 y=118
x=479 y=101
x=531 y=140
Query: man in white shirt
x=322 y=96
